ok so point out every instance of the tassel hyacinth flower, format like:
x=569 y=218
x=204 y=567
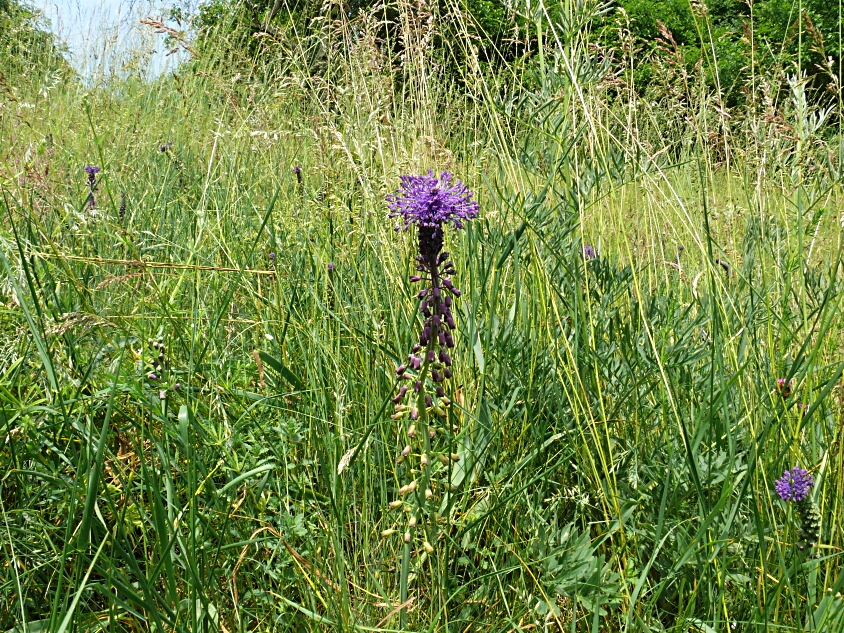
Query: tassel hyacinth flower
x=92 y=171
x=795 y=487
x=429 y=203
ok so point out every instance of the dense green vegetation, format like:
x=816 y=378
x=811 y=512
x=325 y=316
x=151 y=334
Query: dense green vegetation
x=196 y=370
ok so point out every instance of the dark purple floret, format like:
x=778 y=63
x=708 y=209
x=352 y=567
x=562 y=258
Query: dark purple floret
x=297 y=169
x=588 y=252
x=330 y=266
x=794 y=484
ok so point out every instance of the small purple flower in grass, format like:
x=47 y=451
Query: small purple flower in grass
x=330 y=267
x=802 y=408
x=297 y=169
x=794 y=484
x=589 y=252
x=784 y=387
x=92 y=171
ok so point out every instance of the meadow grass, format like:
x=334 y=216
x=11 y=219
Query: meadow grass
x=617 y=419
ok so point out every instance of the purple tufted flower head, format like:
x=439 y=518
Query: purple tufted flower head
x=589 y=252
x=794 y=484
x=428 y=201
x=784 y=387
x=91 y=170
x=330 y=266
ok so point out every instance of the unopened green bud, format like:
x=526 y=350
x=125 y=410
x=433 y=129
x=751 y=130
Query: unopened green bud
x=428 y=547
x=428 y=493
x=412 y=521
x=455 y=457
x=443 y=459
x=396 y=504
x=407 y=537
x=387 y=533
x=411 y=432
x=424 y=459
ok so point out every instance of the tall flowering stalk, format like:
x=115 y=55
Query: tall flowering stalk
x=429 y=203
x=795 y=487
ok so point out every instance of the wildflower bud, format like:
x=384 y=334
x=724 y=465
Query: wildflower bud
x=450 y=321
x=404 y=490
x=444 y=256
x=428 y=494
x=411 y=431
x=397 y=416
x=400 y=459
x=447 y=283
x=425 y=312
x=440 y=392
x=436 y=293
x=423 y=340
x=445 y=358
x=396 y=504
x=417 y=386
x=455 y=292
x=415 y=278
x=435 y=375
x=407 y=537
x=162 y=395
x=387 y=533
x=447 y=301
x=455 y=457
x=153 y=377
x=447 y=372
x=412 y=486
x=400 y=370
x=443 y=459
x=417 y=363
x=445 y=401
x=411 y=522
x=436 y=320
x=423 y=460
x=432 y=432
x=439 y=411
x=449 y=341
x=421 y=294
x=428 y=547
x=416 y=348
x=177 y=386
x=414 y=413
x=431 y=356
x=442 y=337
x=429 y=402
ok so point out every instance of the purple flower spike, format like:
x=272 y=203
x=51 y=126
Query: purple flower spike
x=92 y=170
x=430 y=203
x=794 y=484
